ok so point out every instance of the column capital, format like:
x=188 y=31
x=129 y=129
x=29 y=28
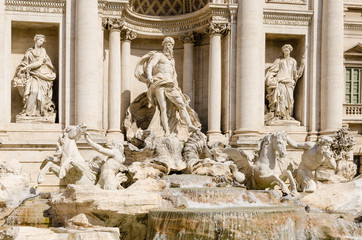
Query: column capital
x=218 y=28
x=112 y=23
x=190 y=37
x=128 y=34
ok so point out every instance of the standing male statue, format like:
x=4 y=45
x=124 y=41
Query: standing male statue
x=157 y=70
x=34 y=79
x=280 y=82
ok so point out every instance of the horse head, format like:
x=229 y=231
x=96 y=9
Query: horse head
x=74 y=132
x=279 y=142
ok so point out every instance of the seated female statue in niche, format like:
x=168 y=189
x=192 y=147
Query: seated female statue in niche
x=280 y=82
x=34 y=79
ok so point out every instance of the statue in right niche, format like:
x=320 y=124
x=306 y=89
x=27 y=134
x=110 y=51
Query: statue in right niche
x=280 y=82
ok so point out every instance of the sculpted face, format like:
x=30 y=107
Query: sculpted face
x=40 y=42
x=324 y=147
x=168 y=49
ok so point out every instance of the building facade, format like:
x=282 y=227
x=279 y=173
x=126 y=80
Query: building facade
x=223 y=52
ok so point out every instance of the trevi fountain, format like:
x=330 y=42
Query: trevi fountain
x=167 y=166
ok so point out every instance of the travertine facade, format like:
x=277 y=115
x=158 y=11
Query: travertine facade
x=223 y=51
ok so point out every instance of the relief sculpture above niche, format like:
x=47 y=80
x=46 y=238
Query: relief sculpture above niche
x=34 y=78
x=280 y=81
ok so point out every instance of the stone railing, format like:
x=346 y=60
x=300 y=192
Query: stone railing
x=352 y=112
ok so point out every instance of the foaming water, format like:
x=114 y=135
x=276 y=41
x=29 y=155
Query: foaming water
x=228 y=223
x=222 y=197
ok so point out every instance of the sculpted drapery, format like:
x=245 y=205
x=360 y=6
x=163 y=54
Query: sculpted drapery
x=34 y=79
x=280 y=82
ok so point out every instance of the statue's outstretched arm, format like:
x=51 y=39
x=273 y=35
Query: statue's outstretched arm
x=294 y=144
x=98 y=147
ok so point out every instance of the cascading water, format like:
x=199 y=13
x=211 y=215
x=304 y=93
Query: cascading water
x=286 y=222
x=227 y=213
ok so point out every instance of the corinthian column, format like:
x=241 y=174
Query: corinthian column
x=332 y=74
x=127 y=37
x=114 y=86
x=249 y=78
x=188 y=40
x=215 y=30
x=88 y=85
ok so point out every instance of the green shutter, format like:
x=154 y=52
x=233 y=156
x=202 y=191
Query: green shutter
x=353 y=85
x=348 y=85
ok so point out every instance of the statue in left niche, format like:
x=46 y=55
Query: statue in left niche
x=34 y=79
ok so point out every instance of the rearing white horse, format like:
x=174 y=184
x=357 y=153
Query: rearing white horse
x=262 y=170
x=67 y=163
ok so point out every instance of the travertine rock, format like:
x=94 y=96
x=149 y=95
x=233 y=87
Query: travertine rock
x=31 y=233
x=345 y=196
x=105 y=207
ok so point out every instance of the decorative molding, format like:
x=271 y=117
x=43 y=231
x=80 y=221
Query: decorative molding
x=299 y=18
x=353 y=26
x=111 y=8
x=166 y=7
x=38 y=6
x=196 y=21
x=298 y=2
x=128 y=35
x=218 y=28
x=352 y=1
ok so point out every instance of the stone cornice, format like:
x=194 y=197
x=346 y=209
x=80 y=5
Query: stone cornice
x=352 y=2
x=353 y=26
x=38 y=6
x=295 y=18
x=298 y=2
x=175 y=25
x=110 y=8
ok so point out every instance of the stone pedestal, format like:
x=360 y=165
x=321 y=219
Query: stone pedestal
x=29 y=119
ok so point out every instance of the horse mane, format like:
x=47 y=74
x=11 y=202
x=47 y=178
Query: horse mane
x=265 y=141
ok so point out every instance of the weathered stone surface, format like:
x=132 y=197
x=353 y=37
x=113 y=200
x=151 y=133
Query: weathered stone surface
x=345 y=197
x=105 y=207
x=28 y=233
x=31 y=233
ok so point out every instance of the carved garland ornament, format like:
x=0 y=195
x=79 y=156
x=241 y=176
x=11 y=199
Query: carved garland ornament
x=288 y=18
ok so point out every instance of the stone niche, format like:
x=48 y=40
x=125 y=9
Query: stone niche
x=273 y=45
x=22 y=38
